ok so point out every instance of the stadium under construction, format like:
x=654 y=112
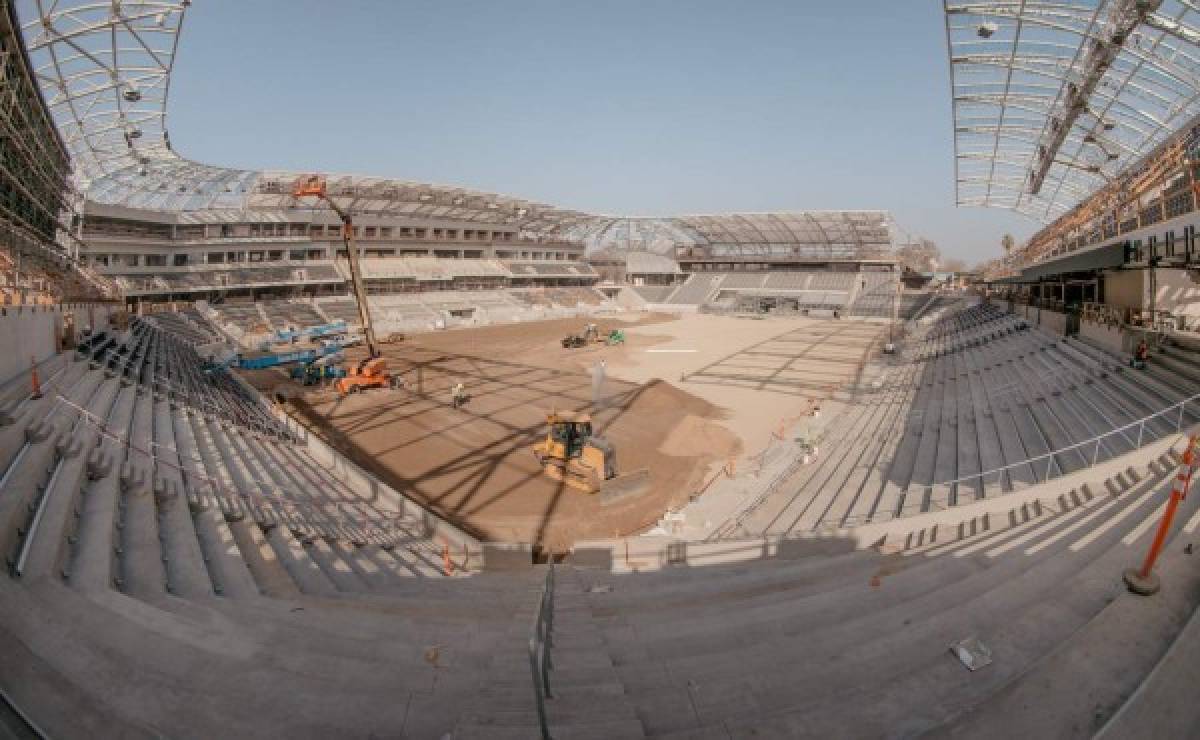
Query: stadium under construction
x=308 y=454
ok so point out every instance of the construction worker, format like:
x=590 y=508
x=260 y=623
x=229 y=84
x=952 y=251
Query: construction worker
x=458 y=395
x=1140 y=353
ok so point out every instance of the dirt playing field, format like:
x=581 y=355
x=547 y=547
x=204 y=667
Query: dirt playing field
x=474 y=465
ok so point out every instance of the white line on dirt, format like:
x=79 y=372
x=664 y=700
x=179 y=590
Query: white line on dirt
x=671 y=350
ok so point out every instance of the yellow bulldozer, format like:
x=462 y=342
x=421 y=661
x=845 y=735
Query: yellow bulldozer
x=587 y=462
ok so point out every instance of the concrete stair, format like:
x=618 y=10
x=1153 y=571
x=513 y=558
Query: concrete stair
x=588 y=698
x=813 y=647
x=152 y=605
x=985 y=392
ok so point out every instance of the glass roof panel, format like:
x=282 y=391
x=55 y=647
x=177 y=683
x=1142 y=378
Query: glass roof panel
x=1052 y=99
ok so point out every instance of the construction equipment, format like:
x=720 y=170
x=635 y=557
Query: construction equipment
x=367 y=374
x=371 y=372
x=315 y=332
x=321 y=368
x=261 y=360
x=585 y=461
x=589 y=335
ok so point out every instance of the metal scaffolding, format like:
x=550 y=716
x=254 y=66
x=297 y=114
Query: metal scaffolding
x=1053 y=99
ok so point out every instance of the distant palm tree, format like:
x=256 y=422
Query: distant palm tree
x=1008 y=243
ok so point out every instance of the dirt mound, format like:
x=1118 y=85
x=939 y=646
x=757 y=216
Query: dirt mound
x=697 y=437
x=475 y=465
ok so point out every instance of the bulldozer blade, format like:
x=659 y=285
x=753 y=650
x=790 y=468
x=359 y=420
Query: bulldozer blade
x=624 y=486
x=578 y=482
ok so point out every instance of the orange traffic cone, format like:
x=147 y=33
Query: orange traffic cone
x=33 y=379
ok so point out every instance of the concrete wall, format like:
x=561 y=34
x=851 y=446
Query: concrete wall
x=1053 y=321
x=1126 y=288
x=628 y=299
x=35 y=332
x=1108 y=337
x=1177 y=293
x=673 y=307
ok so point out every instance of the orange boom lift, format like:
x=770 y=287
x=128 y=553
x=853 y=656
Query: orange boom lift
x=371 y=372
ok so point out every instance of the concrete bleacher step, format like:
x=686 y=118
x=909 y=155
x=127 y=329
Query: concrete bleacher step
x=587 y=699
x=410 y=562
x=283 y=564
x=1109 y=671
x=94 y=561
x=815 y=499
x=187 y=574
x=774 y=647
x=868 y=479
x=898 y=472
x=404 y=563
x=164 y=659
x=1183 y=362
x=1017 y=575
x=43 y=481
x=336 y=569
x=941 y=537
x=139 y=550
x=1161 y=705
x=1146 y=386
x=226 y=567
x=55 y=523
x=367 y=568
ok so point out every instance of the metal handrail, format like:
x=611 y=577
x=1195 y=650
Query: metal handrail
x=1033 y=463
x=540 y=642
x=1140 y=424
x=841 y=522
x=278 y=495
x=27 y=724
x=195 y=400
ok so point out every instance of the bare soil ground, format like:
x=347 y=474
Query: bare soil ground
x=763 y=373
x=474 y=465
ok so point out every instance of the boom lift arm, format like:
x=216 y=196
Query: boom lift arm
x=314 y=185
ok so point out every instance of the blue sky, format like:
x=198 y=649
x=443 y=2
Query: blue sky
x=630 y=107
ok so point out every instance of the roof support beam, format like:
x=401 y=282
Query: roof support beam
x=1125 y=17
x=1175 y=28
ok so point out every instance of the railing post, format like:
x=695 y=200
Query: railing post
x=1143 y=581
x=1179 y=421
x=539 y=651
x=1096 y=452
x=1141 y=430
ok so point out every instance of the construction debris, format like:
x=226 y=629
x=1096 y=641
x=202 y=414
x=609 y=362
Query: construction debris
x=972 y=653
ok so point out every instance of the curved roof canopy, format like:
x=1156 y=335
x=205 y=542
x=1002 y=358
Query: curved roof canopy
x=1053 y=98
x=105 y=70
x=808 y=233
